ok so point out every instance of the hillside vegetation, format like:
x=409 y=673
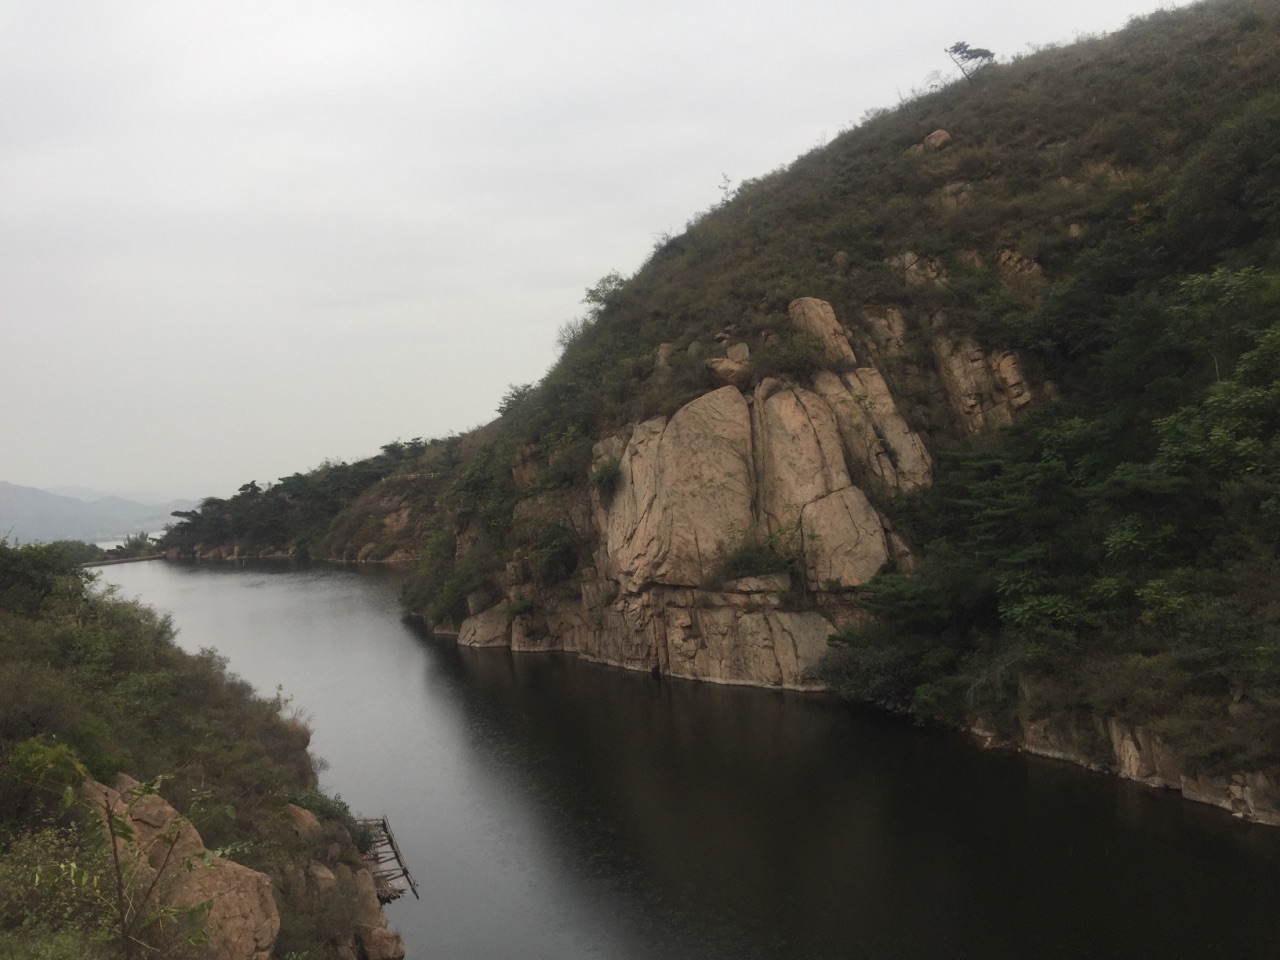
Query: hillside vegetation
x=1110 y=212
x=92 y=686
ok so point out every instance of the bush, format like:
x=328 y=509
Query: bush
x=331 y=808
x=753 y=557
x=605 y=478
x=793 y=355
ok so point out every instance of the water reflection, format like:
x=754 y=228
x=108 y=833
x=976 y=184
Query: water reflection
x=553 y=808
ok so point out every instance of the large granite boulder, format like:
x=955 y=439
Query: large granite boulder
x=683 y=495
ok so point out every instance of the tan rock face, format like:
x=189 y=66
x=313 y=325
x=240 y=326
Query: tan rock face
x=242 y=922
x=889 y=328
x=918 y=271
x=873 y=431
x=844 y=540
x=1014 y=266
x=693 y=488
x=938 y=140
x=799 y=456
x=685 y=491
x=983 y=389
x=816 y=318
x=492 y=628
x=305 y=823
x=727 y=372
x=911 y=459
x=720 y=637
x=955 y=195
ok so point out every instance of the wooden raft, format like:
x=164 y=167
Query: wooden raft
x=390 y=873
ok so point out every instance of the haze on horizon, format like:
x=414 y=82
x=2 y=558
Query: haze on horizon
x=239 y=239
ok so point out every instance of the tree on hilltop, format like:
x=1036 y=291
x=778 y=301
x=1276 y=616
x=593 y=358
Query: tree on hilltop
x=974 y=58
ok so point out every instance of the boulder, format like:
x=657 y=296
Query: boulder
x=685 y=488
x=305 y=823
x=491 y=628
x=844 y=540
x=798 y=453
x=1014 y=266
x=242 y=922
x=956 y=195
x=938 y=140
x=727 y=372
x=739 y=353
x=889 y=329
x=816 y=318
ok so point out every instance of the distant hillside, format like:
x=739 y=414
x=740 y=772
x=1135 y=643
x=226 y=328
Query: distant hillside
x=984 y=392
x=28 y=514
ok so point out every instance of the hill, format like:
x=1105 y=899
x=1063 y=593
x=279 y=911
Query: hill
x=27 y=514
x=983 y=392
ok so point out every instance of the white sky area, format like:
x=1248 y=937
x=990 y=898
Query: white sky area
x=239 y=238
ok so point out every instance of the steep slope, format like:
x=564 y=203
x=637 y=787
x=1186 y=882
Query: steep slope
x=985 y=389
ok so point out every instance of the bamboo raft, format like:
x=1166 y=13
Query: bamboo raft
x=386 y=862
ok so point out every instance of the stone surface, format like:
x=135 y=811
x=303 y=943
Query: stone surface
x=492 y=628
x=983 y=389
x=739 y=352
x=662 y=363
x=873 y=431
x=684 y=493
x=382 y=944
x=305 y=823
x=910 y=456
x=763 y=583
x=321 y=877
x=918 y=271
x=798 y=454
x=1014 y=266
x=955 y=195
x=815 y=317
x=889 y=329
x=938 y=140
x=242 y=922
x=726 y=372
x=844 y=540
x=715 y=636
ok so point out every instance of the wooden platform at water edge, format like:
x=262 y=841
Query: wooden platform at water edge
x=390 y=872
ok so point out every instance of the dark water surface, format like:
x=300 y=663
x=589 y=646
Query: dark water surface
x=555 y=809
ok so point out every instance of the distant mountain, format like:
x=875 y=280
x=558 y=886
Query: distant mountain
x=27 y=513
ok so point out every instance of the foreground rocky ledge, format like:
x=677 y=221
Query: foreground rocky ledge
x=242 y=921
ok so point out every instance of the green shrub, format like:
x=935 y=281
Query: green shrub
x=605 y=479
x=793 y=355
x=521 y=606
x=754 y=557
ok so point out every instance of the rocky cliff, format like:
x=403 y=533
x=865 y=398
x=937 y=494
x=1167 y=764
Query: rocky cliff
x=765 y=462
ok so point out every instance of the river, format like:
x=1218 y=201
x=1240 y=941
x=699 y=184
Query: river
x=555 y=809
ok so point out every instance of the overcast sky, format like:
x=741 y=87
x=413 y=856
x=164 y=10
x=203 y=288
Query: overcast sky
x=238 y=238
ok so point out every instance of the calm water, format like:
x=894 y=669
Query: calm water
x=554 y=809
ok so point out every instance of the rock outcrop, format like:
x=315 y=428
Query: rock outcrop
x=816 y=318
x=169 y=858
x=1135 y=753
x=685 y=491
x=727 y=471
x=768 y=467
x=983 y=389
